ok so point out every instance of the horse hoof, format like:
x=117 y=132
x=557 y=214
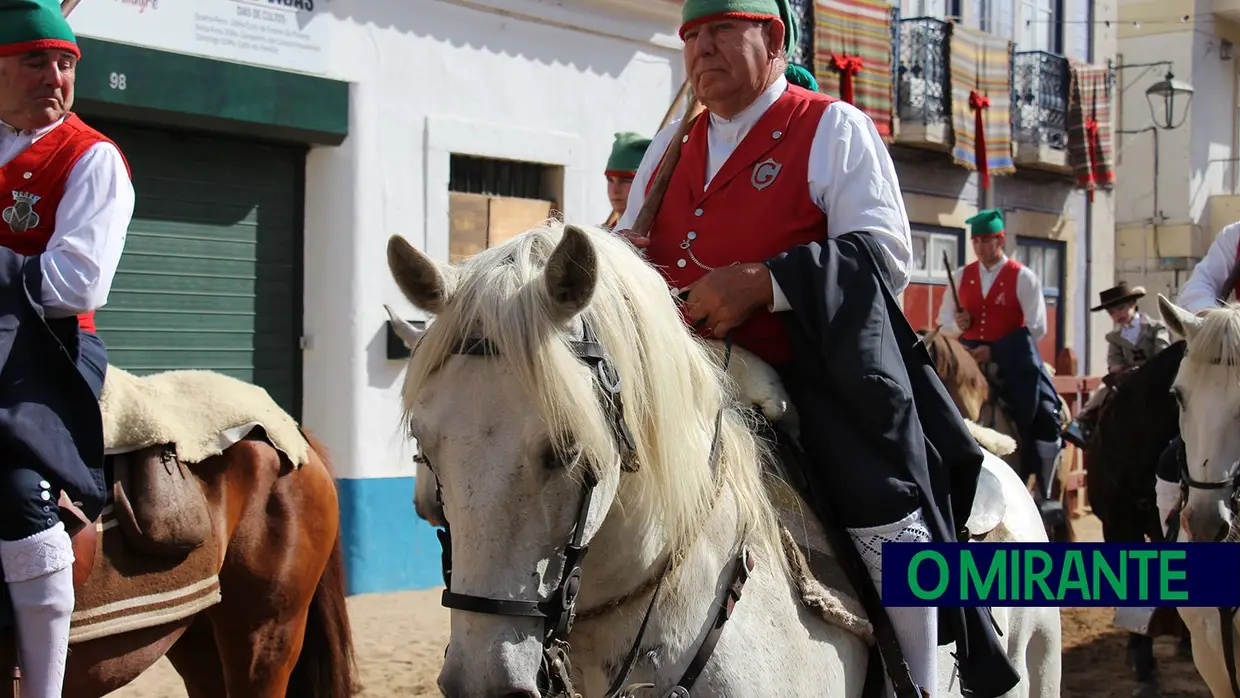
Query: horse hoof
x=1147 y=689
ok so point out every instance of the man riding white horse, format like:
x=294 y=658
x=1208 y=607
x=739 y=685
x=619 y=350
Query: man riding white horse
x=778 y=196
x=67 y=200
x=1214 y=277
x=1001 y=318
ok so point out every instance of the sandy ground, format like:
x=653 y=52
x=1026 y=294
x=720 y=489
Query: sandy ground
x=400 y=639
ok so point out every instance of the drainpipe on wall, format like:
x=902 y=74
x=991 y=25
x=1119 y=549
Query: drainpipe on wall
x=1086 y=364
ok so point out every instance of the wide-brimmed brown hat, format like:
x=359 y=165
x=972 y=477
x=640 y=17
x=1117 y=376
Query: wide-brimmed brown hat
x=1119 y=294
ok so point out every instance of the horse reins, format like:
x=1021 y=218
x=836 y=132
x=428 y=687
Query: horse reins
x=560 y=610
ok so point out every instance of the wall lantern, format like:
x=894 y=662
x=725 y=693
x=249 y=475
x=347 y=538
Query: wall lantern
x=1169 y=99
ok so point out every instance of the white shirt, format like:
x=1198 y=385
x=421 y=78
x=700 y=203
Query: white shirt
x=91 y=223
x=1205 y=284
x=1132 y=331
x=851 y=178
x=1028 y=292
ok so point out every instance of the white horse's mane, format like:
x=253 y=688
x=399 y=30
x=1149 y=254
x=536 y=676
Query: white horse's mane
x=670 y=386
x=1214 y=345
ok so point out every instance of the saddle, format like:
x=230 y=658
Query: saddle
x=159 y=505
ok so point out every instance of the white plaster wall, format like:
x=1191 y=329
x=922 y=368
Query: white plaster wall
x=1213 y=120
x=1134 y=190
x=517 y=79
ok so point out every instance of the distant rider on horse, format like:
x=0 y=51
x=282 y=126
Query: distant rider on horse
x=1135 y=339
x=626 y=154
x=66 y=202
x=1001 y=318
x=781 y=200
x=1205 y=286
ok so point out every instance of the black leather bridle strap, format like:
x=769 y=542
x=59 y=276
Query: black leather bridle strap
x=740 y=575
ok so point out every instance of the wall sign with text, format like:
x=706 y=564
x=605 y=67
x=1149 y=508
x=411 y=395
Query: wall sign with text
x=283 y=34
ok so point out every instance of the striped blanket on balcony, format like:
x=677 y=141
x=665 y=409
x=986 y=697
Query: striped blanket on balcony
x=981 y=75
x=1090 y=144
x=852 y=56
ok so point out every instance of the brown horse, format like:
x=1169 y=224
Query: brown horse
x=280 y=627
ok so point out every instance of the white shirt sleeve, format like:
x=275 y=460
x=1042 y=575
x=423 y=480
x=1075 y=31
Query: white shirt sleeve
x=91 y=223
x=1205 y=284
x=1032 y=302
x=853 y=180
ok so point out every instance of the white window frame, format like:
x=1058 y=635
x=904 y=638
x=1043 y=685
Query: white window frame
x=932 y=271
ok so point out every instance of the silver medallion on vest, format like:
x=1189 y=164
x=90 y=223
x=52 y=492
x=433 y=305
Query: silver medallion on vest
x=21 y=215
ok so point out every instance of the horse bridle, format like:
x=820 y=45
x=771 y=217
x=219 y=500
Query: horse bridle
x=560 y=609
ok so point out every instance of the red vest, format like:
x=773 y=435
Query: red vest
x=757 y=206
x=999 y=313
x=32 y=185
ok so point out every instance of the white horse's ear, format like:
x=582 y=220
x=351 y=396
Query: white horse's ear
x=404 y=329
x=426 y=283
x=1179 y=320
x=571 y=275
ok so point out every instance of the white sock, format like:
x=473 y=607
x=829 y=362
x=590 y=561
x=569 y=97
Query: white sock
x=1167 y=497
x=916 y=629
x=39 y=571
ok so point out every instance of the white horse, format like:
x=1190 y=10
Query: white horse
x=516 y=433
x=1207 y=387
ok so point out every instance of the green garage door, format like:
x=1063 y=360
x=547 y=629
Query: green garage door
x=211 y=276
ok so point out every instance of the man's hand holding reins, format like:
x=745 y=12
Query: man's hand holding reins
x=726 y=297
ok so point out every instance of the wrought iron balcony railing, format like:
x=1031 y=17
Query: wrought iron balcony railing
x=923 y=92
x=1040 y=99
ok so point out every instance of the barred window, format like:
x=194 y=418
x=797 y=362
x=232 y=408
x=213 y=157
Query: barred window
x=803 y=52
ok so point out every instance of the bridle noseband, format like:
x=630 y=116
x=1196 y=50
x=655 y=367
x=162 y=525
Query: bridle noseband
x=560 y=609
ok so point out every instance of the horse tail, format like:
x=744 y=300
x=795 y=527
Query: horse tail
x=327 y=666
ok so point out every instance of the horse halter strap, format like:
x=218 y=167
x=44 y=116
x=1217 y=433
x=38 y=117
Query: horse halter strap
x=559 y=611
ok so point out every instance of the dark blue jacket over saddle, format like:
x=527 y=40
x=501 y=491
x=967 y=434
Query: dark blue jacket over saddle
x=50 y=420
x=850 y=336
x=1027 y=388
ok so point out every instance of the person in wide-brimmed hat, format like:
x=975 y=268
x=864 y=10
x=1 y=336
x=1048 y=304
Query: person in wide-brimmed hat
x=1135 y=339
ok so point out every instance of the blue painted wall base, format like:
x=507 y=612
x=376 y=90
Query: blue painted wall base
x=386 y=546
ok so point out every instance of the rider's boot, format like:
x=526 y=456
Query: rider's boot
x=39 y=572
x=1051 y=509
x=916 y=629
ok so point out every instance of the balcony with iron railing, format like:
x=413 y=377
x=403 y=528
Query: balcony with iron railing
x=1040 y=82
x=923 y=87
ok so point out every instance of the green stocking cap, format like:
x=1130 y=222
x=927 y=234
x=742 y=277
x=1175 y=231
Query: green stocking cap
x=34 y=25
x=696 y=12
x=626 y=154
x=801 y=77
x=986 y=223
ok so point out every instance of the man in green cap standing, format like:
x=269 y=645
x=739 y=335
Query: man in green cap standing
x=65 y=205
x=626 y=155
x=782 y=227
x=1001 y=318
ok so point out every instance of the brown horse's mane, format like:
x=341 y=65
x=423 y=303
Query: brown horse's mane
x=961 y=375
